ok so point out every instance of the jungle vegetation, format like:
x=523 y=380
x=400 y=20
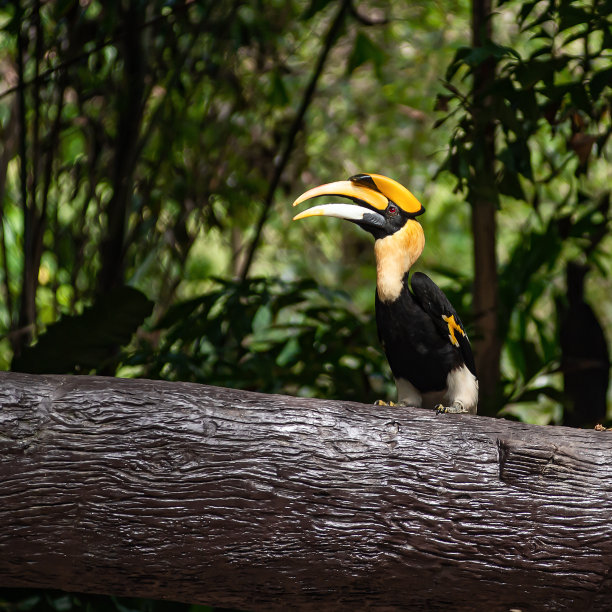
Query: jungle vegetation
x=150 y=151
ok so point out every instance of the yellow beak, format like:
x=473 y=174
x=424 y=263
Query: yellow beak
x=373 y=191
x=346 y=189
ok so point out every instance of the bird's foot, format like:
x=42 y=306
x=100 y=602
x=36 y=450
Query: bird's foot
x=456 y=408
x=383 y=403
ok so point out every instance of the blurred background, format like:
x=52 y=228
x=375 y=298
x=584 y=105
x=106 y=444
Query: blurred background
x=150 y=151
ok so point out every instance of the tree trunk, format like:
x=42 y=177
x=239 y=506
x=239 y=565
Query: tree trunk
x=263 y=502
x=484 y=200
x=130 y=108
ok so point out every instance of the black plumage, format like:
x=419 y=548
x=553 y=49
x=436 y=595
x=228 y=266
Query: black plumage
x=416 y=336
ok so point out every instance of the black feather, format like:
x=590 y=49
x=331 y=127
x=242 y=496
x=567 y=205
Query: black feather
x=433 y=301
x=415 y=337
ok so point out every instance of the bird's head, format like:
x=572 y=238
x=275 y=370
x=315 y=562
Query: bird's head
x=382 y=206
x=387 y=210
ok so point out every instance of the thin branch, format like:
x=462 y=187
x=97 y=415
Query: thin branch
x=119 y=32
x=294 y=130
x=130 y=112
x=54 y=138
x=10 y=136
x=38 y=52
x=17 y=340
x=366 y=21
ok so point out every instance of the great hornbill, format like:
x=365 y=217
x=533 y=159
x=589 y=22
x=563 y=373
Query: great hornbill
x=422 y=336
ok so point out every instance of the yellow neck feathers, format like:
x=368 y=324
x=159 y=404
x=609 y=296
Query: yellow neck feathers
x=395 y=255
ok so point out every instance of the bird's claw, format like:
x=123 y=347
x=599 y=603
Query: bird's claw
x=456 y=408
x=383 y=403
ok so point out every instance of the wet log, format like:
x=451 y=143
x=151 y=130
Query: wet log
x=265 y=502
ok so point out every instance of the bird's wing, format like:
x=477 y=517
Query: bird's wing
x=433 y=301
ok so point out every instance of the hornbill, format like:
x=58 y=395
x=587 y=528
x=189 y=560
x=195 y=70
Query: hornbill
x=422 y=336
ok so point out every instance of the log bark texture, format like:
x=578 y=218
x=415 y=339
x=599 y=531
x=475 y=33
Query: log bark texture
x=264 y=502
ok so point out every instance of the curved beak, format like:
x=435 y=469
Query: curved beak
x=364 y=213
x=358 y=214
x=347 y=189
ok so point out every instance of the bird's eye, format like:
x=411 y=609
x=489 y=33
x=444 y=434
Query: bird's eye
x=392 y=210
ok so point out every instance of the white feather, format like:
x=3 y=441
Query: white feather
x=462 y=386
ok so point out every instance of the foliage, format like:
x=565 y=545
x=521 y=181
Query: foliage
x=550 y=103
x=269 y=336
x=102 y=187
x=26 y=600
x=150 y=132
x=89 y=341
x=160 y=186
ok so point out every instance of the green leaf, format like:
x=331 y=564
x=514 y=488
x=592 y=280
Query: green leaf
x=532 y=395
x=279 y=96
x=364 y=50
x=262 y=319
x=533 y=360
x=526 y=10
x=547 y=15
x=457 y=62
x=290 y=353
x=582 y=33
x=63 y=603
x=543 y=50
x=515 y=354
x=85 y=342
x=478 y=55
x=529 y=73
x=182 y=310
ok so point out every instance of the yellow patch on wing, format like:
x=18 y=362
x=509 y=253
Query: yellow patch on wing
x=453 y=327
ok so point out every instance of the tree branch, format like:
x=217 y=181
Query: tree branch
x=264 y=502
x=79 y=58
x=296 y=126
x=9 y=136
x=23 y=332
x=484 y=199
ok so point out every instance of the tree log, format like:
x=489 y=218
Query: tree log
x=266 y=502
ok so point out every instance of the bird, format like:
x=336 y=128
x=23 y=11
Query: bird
x=423 y=338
